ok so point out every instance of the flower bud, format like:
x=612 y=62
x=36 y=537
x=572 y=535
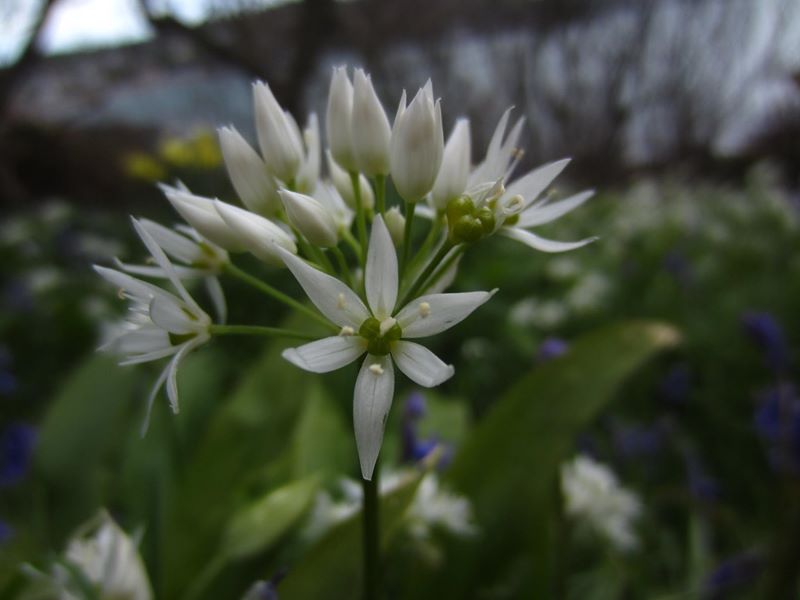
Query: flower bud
x=278 y=137
x=454 y=172
x=308 y=175
x=260 y=236
x=199 y=212
x=254 y=185
x=339 y=118
x=343 y=184
x=370 y=130
x=396 y=224
x=310 y=218
x=417 y=146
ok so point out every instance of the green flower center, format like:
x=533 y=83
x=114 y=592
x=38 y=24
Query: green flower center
x=380 y=334
x=468 y=224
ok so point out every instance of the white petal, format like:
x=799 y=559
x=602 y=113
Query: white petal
x=277 y=136
x=339 y=117
x=172 y=369
x=259 y=235
x=327 y=354
x=148 y=356
x=540 y=243
x=176 y=245
x=132 y=287
x=138 y=341
x=217 y=296
x=199 y=213
x=381 y=271
x=147 y=271
x=162 y=261
x=446 y=279
x=434 y=313
x=253 y=184
x=153 y=393
x=533 y=183
x=170 y=316
x=539 y=215
x=372 y=400
x=372 y=133
x=333 y=298
x=420 y=364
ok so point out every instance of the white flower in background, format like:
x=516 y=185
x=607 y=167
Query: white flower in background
x=107 y=559
x=260 y=236
x=341 y=181
x=159 y=324
x=589 y=292
x=311 y=218
x=563 y=268
x=417 y=145
x=545 y=314
x=256 y=188
x=380 y=331
x=432 y=508
x=278 y=135
x=339 y=118
x=370 y=129
x=451 y=181
x=593 y=496
x=199 y=257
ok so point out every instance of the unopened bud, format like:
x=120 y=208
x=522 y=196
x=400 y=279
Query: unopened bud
x=344 y=185
x=311 y=218
x=253 y=184
x=454 y=172
x=260 y=236
x=278 y=137
x=396 y=224
x=370 y=130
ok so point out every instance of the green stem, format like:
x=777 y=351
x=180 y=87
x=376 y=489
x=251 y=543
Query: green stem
x=264 y=287
x=259 y=330
x=442 y=269
x=353 y=243
x=361 y=221
x=430 y=240
x=327 y=265
x=426 y=273
x=344 y=269
x=410 y=208
x=372 y=558
x=380 y=194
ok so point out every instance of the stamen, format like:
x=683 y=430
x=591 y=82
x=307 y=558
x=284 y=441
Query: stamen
x=424 y=309
x=387 y=324
x=514 y=205
x=121 y=293
x=347 y=331
x=340 y=302
x=376 y=369
x=517 y=153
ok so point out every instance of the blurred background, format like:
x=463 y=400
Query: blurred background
x=684 y=115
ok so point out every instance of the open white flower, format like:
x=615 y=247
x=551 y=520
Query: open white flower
x=200 y=258
x=159 y=323
x=380 y=331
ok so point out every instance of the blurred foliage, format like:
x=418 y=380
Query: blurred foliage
x=225 y=490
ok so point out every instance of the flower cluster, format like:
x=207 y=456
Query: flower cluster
x=348 y=247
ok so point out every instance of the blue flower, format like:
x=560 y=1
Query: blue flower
x=765 y=331
x=701 y=484
x=6 y=532
x=637 y=441
x=739 y=570
x=16 y=447
x=676 y=384
x=777 y=422
x=414 y=448
x=551 y=348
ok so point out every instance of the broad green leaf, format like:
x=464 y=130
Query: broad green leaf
x=509 y=465
x=332 y=568
x=262 y=523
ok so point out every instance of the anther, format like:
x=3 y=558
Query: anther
x=424 y=309
x=376 y=369
x=121 y=293
x=347 y=331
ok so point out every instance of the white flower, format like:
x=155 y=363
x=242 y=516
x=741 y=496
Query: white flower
x=434 y=507
x=258 y=235
x=308 y=176
x=255 y=187
x=278 y=135
x=200 y=213
x=311 y=218
x=380 y=331
x=109 y=560
x=338 y=120
x=417 y=145
x=454 y=172
x=501 y=155
x=343 y=185
x=159 y=324
x=200 y=258
x=593 y=495
x=370 y=130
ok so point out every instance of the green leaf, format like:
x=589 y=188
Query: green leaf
x=262 y=523
x=509 y=465
x=332 y=568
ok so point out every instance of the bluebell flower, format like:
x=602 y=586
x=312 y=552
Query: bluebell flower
x=16 y=448
x=765 y=331
x=676 y=384
x=736 y=572
x=6 y=532
x=414 y=448
x=777 y=422
x=551 y=348
x=702 y=485
x=8 y=383
x=637 y=441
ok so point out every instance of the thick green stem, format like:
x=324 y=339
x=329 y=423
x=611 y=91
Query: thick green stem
x=264 y=287
x=426 y=273
x=259 y=330
x=380 y=194
x=361 y=219
x=372 y=558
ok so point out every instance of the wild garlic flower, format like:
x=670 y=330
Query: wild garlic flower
x=199 y=257
x=159 y=324
x=594 y=496
x=106 y=558
x=254 y=185
x=381 y=331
